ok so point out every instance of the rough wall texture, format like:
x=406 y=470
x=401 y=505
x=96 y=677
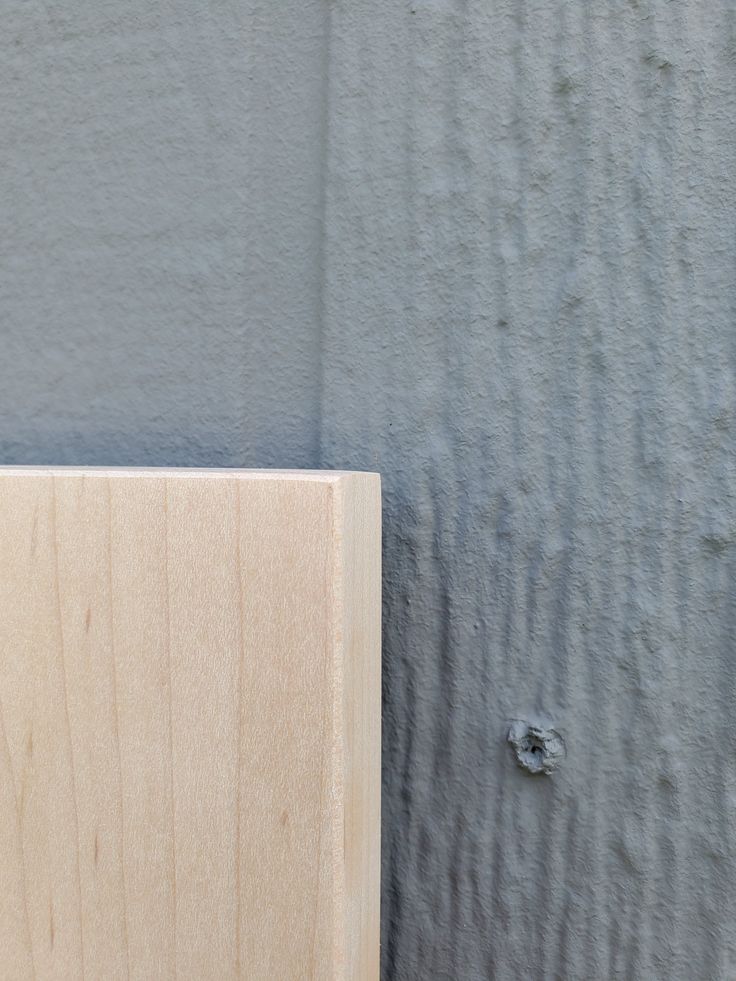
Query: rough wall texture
x=486 y=247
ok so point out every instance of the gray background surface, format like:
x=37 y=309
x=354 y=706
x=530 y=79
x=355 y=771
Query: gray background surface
x=488 y=248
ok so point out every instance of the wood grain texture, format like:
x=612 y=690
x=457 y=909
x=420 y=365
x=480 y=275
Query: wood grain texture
x=190 y=711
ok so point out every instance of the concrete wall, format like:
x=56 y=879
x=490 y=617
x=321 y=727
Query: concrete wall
x=487 y=248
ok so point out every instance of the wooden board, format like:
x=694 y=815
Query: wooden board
x=189 y=724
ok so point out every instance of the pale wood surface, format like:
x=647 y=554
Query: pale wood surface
x=189 y=724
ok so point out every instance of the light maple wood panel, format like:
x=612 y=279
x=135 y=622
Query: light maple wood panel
x=190 y=724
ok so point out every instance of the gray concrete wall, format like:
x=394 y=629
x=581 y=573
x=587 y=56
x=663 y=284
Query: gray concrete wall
x=487 y=248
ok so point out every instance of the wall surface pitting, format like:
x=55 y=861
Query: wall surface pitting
x=488 y=249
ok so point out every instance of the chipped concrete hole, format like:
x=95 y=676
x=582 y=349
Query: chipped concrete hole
x=538 y=747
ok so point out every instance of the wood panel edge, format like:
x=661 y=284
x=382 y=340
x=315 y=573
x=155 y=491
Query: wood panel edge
x=357 y=514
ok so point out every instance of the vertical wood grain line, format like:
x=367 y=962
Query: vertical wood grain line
x=116 y=730
x=339 y=844
x=332 y=769
x=57 y=598
x=239 y=733
x=21 y=850
x=167 y=610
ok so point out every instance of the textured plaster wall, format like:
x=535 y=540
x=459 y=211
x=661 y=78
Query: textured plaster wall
x=487 y=247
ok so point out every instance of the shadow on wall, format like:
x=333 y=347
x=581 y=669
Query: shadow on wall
x=154 y=448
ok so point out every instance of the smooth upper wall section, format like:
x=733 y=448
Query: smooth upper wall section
x=161 y=175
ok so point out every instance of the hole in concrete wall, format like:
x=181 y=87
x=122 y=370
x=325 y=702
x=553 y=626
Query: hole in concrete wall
x=538 y=747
